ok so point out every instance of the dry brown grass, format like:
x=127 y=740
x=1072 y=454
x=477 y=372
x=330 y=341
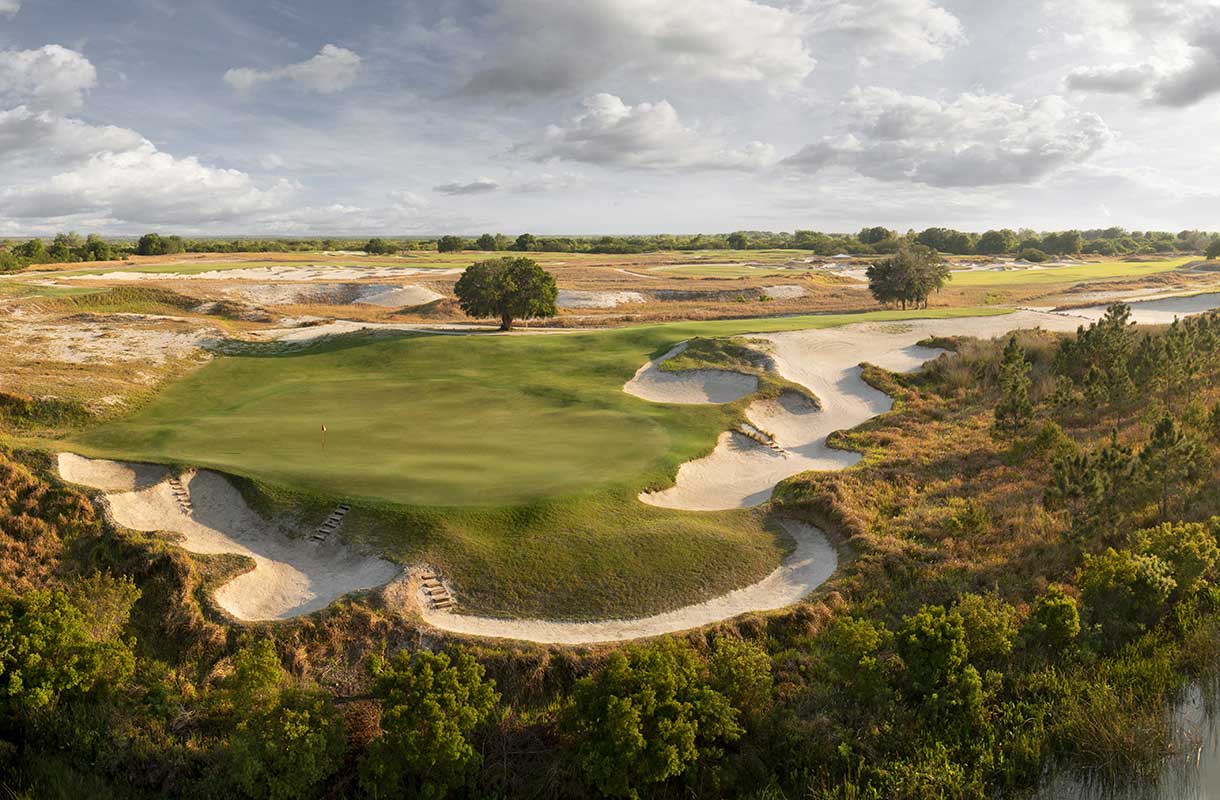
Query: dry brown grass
x=941 y=505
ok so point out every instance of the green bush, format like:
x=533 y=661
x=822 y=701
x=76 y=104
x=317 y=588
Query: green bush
x=47 y=654
x=285 y=752
x=430 y=706
x=852 y=648
x=990 y=626
x=1124 y=591
x=741 y=671
x=648 y=716
x=1054 y=621
x=1188 y=547
x=932 y=645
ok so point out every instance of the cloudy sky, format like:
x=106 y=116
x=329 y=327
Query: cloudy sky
x=606 y=116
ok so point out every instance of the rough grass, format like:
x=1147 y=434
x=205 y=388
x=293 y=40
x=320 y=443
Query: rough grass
x=122 y=300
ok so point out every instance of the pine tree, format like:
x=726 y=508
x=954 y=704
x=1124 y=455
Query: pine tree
x=1015 y=409
x=1172 y=460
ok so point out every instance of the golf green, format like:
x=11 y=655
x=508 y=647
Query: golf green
x=437 y=420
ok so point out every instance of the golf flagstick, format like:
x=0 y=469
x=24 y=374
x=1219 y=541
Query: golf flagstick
x=323 y=437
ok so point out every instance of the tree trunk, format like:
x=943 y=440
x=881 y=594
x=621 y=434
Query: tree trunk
x=506 y=322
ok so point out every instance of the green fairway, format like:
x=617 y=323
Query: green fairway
x=443 y=420
x=1072 y=274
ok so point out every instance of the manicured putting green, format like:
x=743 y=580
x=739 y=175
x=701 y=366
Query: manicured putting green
x=421 y=420
x=432 y=420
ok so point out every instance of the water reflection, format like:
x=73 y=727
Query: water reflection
x=1193 y=773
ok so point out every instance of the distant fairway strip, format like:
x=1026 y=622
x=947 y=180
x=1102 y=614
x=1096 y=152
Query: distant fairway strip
x=1071 y=274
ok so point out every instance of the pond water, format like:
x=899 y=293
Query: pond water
x=1192 y=773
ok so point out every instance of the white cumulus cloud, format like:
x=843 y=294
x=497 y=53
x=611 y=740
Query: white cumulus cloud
x=1116 y=78
x=61 y=167
x=1174 y=45
x=333 y=69
x=975 y=140
x=646 y=135
x=9 y=8
x=916 y=30
x=50 y=139
x=50 y=77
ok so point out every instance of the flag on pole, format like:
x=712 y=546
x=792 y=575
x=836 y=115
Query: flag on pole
x=323 y=437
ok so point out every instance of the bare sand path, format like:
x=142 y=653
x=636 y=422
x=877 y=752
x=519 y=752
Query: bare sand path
x=810 y=564
x=290 y=577
x=574 y=298
x=1158 y=310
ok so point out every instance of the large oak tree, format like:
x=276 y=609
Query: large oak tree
x=507 y=288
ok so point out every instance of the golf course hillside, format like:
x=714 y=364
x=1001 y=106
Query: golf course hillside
x=512 y=463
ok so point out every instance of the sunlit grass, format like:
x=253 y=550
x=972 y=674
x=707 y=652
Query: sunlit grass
x=1070 y=274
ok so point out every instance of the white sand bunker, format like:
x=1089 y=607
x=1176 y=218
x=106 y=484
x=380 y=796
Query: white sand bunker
x=291 y=576
x=109 y=476
x=572 y=298
x=380 y=294
x=689 y=387
x=1160 y=311
x=784 y=292
x=741 y=472
x=812 y=562
x=400 y=296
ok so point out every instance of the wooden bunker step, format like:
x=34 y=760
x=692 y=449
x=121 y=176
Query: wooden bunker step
x=181 y=495
x=436 y=592
x=331 y=523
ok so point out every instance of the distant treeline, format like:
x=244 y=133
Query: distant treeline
x=1029 y=244
x=869 y=241
x=64 y=248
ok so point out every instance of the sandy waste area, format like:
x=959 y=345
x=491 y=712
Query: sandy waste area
x=306 y=272
x=574 y=298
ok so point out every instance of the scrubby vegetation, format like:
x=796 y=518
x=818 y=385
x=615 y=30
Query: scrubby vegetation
x=1030 y=575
